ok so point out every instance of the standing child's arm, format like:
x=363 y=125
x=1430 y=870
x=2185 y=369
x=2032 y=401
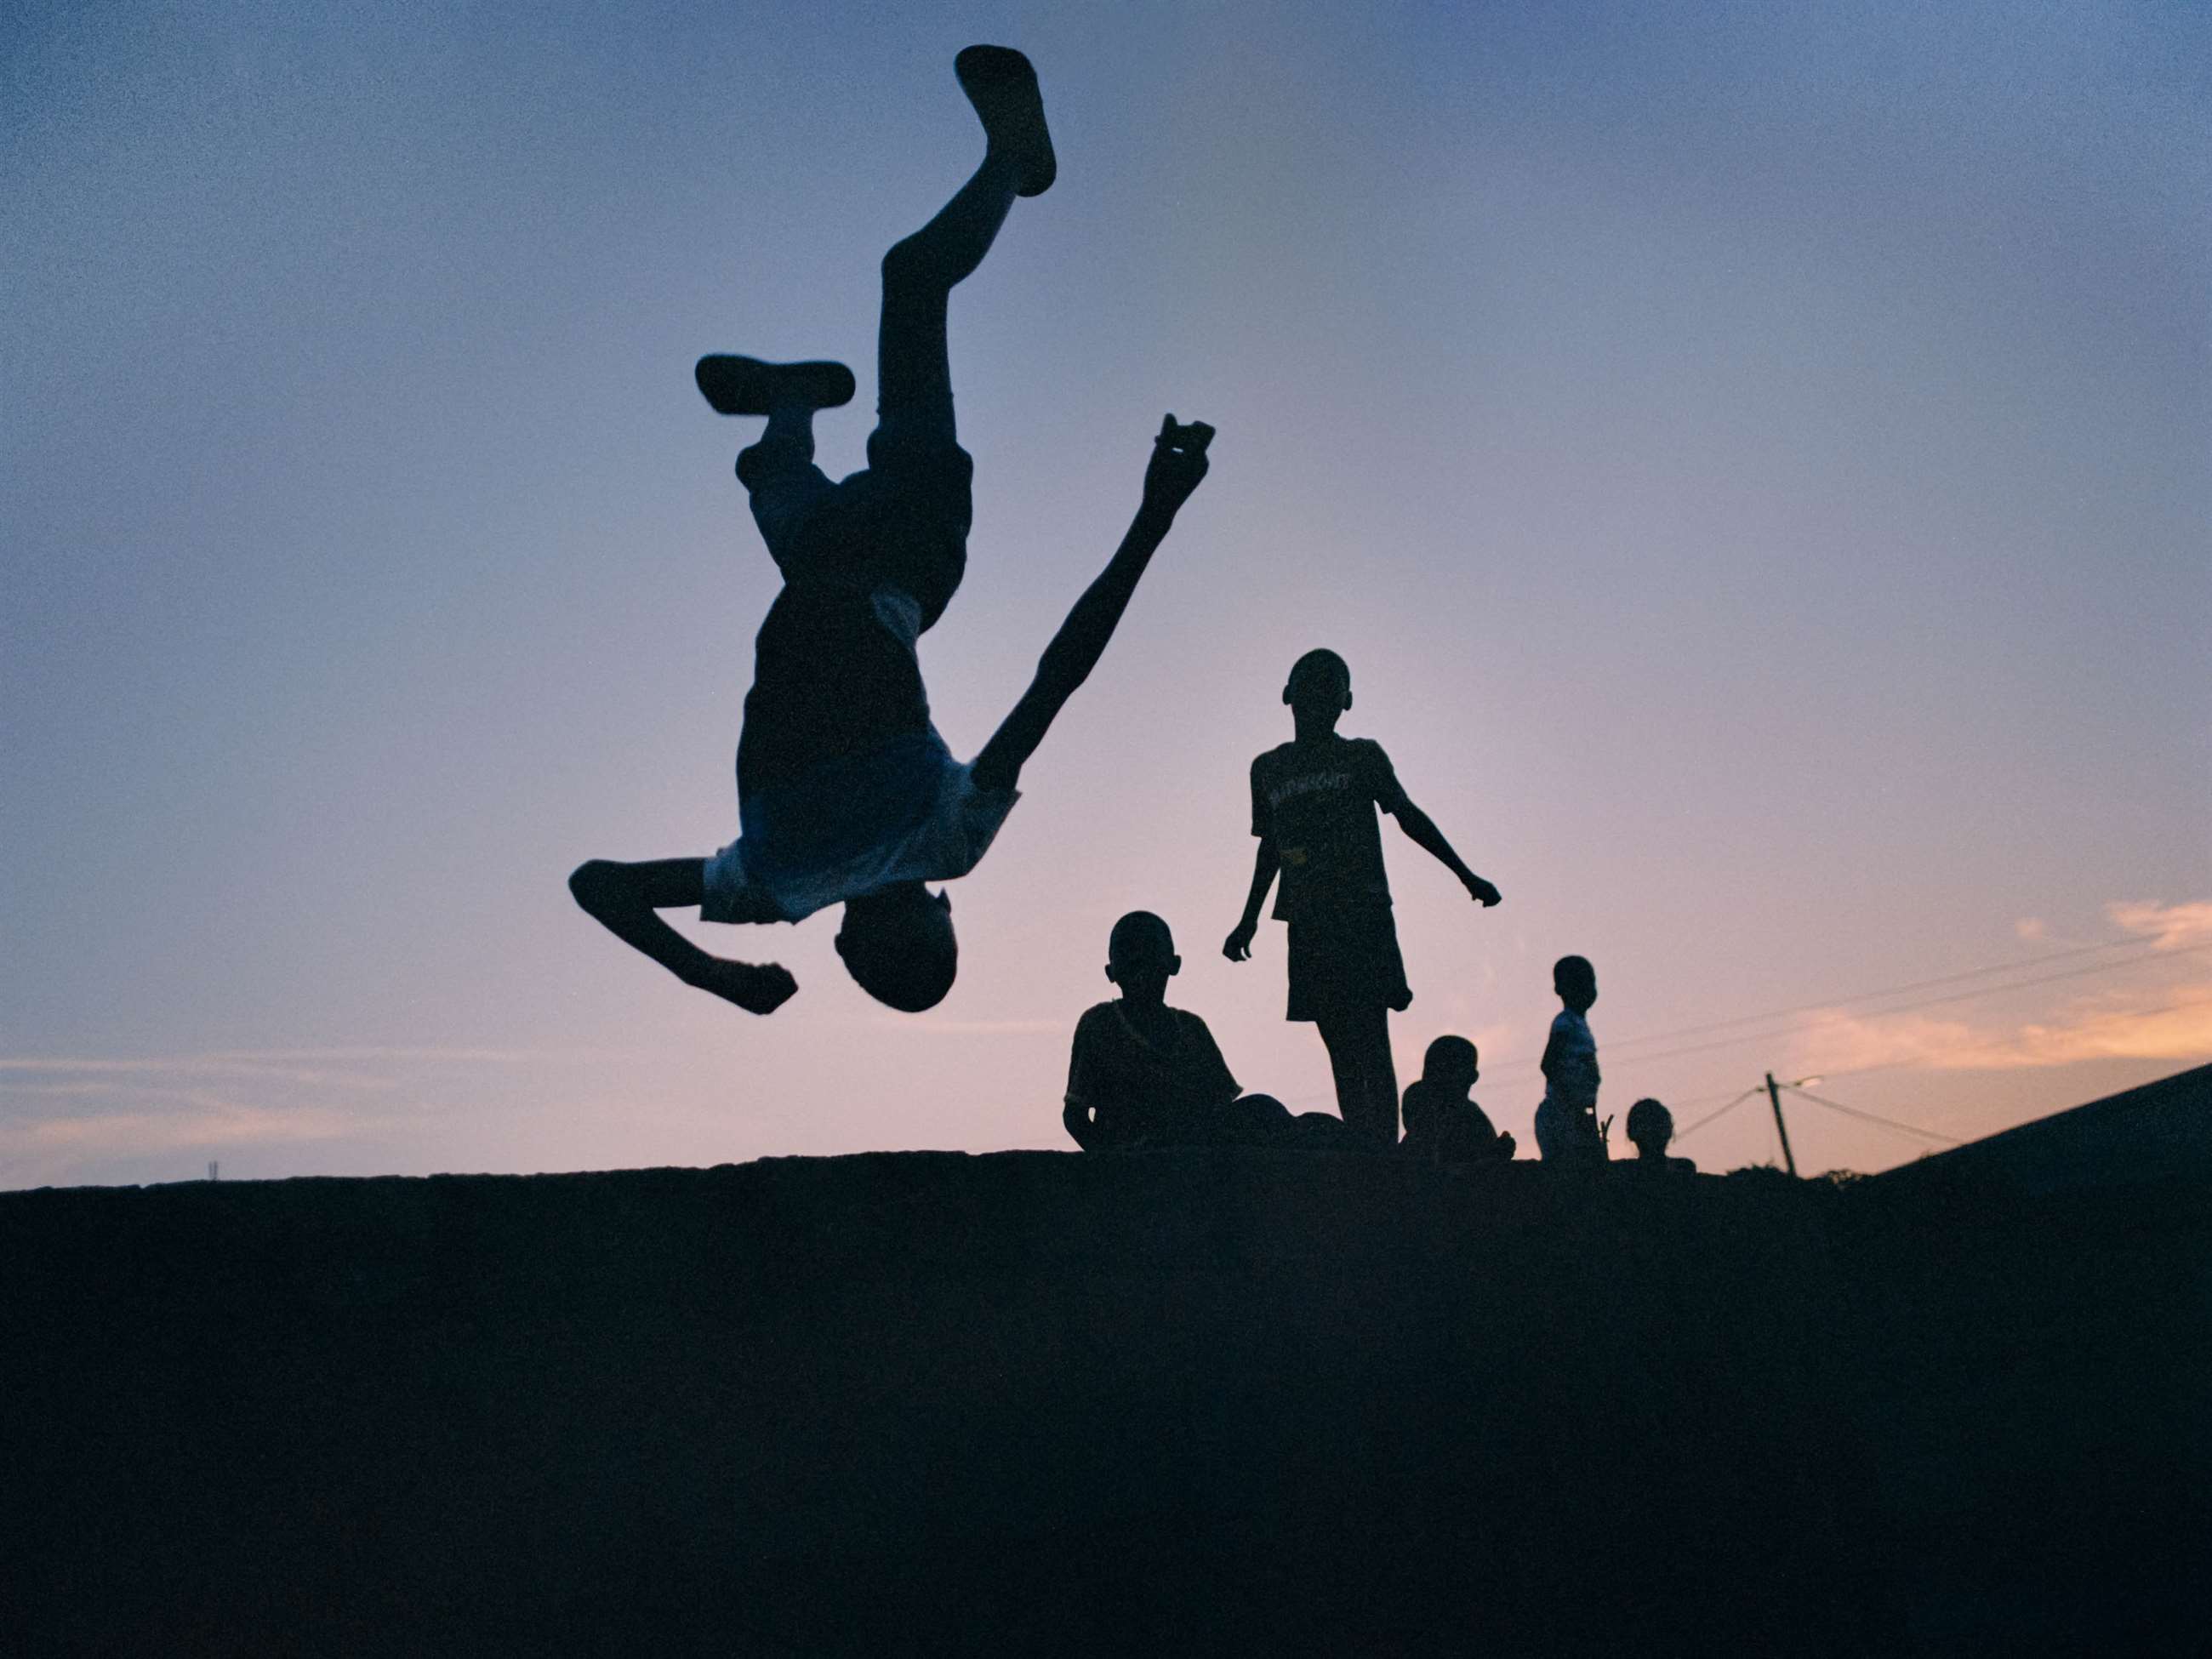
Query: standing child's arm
x=1082 y=1089
x=1422 y=831
x=1390 y=795
x=1178 y=463
x=1551 y=1053
x=1265 y=863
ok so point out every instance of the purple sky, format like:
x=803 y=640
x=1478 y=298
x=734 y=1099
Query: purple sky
x=1754 y=460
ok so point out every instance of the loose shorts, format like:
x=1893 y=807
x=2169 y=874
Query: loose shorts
x=901 y=521
x=1345 y=962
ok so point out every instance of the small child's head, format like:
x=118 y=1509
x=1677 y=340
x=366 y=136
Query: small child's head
x=1319 y=688
x=1141 y=957
x=1576 y=982
x=899 y=946
x=1650 y=1127
x=1450 y=1065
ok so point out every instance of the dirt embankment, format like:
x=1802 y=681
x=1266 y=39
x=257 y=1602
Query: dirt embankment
x=1182 y=1402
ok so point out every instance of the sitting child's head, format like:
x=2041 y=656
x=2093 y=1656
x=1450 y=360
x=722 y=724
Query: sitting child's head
x=1650 y=1127
x=1576 y=982
x=899 y=946
x=1319 y=687
x=1450 y=1065
x=1141 y=957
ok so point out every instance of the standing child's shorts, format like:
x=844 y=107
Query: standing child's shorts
x=1347 y=959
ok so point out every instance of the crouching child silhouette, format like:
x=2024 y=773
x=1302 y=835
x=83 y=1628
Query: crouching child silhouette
x=1442 y=1123
x=1314 y=800
x=846 y=793
x=1650 y=1127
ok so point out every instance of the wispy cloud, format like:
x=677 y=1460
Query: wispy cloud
x=2172 y=926
x=207 y=1122
x=2179 y=1026
x=287 y=1063
x=69 y=1117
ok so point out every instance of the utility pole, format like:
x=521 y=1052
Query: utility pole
x=1774 y=1098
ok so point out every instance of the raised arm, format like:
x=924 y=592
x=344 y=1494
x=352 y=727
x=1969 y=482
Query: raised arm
x=1178 y=464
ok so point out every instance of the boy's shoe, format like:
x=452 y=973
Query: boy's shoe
x=746 y=385
x=1002 y=84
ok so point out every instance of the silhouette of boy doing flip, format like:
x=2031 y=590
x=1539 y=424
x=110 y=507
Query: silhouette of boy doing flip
x=845 y=794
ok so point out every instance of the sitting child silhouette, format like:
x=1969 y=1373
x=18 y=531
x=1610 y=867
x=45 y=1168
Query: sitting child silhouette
x=1314 y=800
x=1566 y=1122
x=1650 y=1127
x=1141 y=1073
x=845 y=794
x=1442 y=1123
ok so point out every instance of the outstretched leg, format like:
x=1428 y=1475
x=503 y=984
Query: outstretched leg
x=913 y=372
x=626 y=899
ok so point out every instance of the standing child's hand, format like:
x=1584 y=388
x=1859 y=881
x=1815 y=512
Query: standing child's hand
x=1481 y=891
x=1238 y=947
x=1178 y=464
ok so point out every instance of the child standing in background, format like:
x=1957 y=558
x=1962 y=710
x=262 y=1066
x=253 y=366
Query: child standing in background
x=1566 y=1122
x=1314 y=800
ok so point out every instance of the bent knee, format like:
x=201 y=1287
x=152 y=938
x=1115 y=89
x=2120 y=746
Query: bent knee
x=597 y=884
x=911 y=265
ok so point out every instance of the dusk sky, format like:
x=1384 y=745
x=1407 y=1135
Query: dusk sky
x=1757 y=462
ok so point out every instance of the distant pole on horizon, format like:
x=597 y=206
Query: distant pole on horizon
x=214 y=1169
x=1774 y=1098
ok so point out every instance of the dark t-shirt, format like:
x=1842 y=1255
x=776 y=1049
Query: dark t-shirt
x=1143 y=1092
x=1316 y=802
x=834 y=673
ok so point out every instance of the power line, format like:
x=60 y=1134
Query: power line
x=1493 y=1067
x=2146 y=947
x=1714 y=1117
x=1920 y=1060
x=1873 y=1117
x=1907 y=1007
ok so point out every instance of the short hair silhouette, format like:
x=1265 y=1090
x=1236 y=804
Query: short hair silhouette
x=899 y=946
x=1573 y=974
x=1649 y=1121
x=1139 y=937
x=1320 y=676
x=1451 y=1059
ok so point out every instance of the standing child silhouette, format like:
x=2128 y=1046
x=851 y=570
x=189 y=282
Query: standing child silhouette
x=1567 y=1129
x=1314 y=800
x=845 y=794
